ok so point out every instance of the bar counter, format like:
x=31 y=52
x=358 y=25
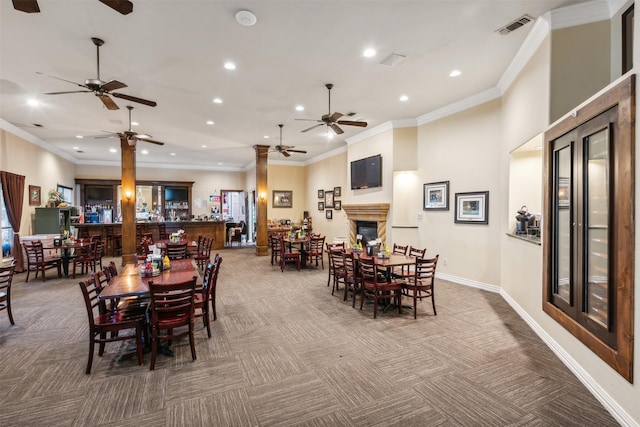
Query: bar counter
x=192 y=229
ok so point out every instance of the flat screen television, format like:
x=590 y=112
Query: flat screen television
x=366 y=173
x=176 y=194
x=96 y=194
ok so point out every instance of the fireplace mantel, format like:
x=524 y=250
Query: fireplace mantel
x=368 y=212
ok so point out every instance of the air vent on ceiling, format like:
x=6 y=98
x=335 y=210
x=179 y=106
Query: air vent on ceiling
x=512 y=26
x=393 y=59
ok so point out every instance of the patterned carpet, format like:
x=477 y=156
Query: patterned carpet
x=284 y=351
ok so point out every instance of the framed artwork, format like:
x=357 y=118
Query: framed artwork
x=320 y=206
x=320 y=194
x=472 y=208
x=436 y=196
x=337 y=191
x=328 y=213
x=34 y=195
x=328 y=199
x=337 y=205
x=282 y=199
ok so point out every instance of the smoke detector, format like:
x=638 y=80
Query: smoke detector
x=246 y=18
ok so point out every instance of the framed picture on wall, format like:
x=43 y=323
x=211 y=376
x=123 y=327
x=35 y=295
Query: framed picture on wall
x=472 y=208
x=337 y=191
x=337 y=205
x=328 y=199
x=320 y=194
x=436 y=196
x=282 y=199
x=34 y=195
x=320 y=206
x=329 y=214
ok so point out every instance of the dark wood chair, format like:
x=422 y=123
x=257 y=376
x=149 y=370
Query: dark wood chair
x=336 y=262
x=330 y=246
x=421 y=284
x=172 y=307
x=373 y=287
x=113 y=241
x=287 y=256
x=214 y=285
x=399 y=249
x=176 y=250
x=416 y=252
x=202 y=297
x=106 y=326
x=352 y=278
x=316 y=250
x=38 y=262
x=162 y=231
x=203 y=253
x=274 y=243
x=6 y=276
x=85 y=257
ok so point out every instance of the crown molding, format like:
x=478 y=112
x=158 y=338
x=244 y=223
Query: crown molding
x=580 y=14
x=21 y=133
x=472 y=101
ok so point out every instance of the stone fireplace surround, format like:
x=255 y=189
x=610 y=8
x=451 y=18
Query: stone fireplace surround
x=368 y=212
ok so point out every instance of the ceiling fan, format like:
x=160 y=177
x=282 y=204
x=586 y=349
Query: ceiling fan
x=31 y=6
x=332 y=120
x=131 y=136
x=286 y=150
x=100 y=88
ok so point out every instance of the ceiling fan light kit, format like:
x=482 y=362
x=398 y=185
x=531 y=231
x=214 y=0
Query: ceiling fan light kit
x=286 y=150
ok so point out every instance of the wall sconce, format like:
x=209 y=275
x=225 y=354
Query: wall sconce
x=128 y=195
x=262 y=197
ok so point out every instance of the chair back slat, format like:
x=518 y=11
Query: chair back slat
x=417 y=252
x=400 y=249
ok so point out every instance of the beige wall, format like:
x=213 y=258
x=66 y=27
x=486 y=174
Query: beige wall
x=325 y=175
x=39 y=166
x=287 y=178
x=580 y=65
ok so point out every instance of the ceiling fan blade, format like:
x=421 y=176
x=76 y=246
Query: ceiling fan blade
x=64 y=80
x=352 y=123
x=313 y=127
x=335 y=116
x=149 y=140
x=336 y=128
x=108 y=102
x=125 y=7
x=112 y=85
x=70 y=91
x=286 y=154
x=111 y=135
x=297 y=151
x=310 y=120
x=28 y=6
x=134 y=99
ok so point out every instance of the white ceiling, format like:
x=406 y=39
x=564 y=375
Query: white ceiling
x=173 y=52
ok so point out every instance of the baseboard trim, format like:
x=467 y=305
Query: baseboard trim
x=594 y=388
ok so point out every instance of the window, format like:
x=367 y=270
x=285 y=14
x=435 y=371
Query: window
x=67 y=193
x=588 y=238
x=6 y=231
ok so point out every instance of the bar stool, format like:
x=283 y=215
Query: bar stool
x=114 y=240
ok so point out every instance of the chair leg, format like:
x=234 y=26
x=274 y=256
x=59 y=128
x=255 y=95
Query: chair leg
x=192 y=341
x=9 y=309
x=213 y=305
x=91 y=350
x=154 y=348
x=375 y=304
x=139 y=343
x=433 y=302
x=44 y=277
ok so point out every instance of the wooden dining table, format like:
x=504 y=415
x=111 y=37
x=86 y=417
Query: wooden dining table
x=130 y=283
x=302 y=241
x=66 y=248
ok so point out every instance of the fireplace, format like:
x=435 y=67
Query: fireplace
x=368 y=230
x=374 y=213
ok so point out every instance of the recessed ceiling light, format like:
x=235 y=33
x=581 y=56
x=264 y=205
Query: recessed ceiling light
x=145 y=151
x=329 y=135
x=135 y=124
x=79 y=136
x=217 y=101
x=266 y=137
x=113 y=150
x=220 y=163
x=210 y=122
x=455 y=73
x=33 y=102
x=246 y=18
x=368 y=53
x=229 y=65
x=76 y=148
x=173 y=154
x=299 y=108
x=404 y=98
x=203 y=146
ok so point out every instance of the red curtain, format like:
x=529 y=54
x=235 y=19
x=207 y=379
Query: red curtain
x=13 y=191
